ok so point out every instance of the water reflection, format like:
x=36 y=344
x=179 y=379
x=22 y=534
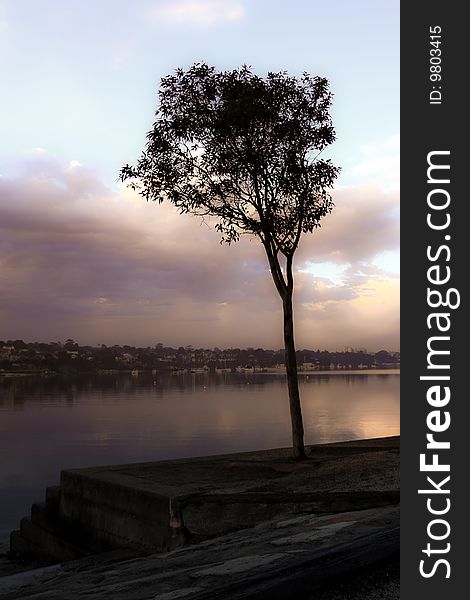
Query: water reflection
x=47 y=424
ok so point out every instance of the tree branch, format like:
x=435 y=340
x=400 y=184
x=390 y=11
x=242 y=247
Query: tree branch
x=276 y=270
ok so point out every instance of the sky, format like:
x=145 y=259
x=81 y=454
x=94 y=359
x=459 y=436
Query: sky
x=83 y=257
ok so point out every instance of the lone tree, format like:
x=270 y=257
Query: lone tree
x=244 y=149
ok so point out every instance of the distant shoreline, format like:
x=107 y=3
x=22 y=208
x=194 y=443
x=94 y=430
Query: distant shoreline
x=10 y=374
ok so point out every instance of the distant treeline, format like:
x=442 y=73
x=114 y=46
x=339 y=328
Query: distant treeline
x=17 y=355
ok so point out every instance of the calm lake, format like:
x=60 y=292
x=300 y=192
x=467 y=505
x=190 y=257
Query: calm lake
x=54 y=423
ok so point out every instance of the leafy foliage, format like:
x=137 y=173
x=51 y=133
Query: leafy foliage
x=242 y=149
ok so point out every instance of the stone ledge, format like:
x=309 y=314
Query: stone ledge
x=160 y=506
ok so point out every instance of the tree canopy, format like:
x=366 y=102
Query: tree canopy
x=243 y=149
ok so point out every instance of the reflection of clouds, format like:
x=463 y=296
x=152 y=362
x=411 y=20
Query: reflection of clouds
x=80 y=260
x=109 y=420
x=121 y=412
x=351 y=407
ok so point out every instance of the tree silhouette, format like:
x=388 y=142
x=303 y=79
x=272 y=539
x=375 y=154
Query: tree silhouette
x=244 y=149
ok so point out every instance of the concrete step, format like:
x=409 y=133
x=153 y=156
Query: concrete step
x=21 y=548
x=115 y=513
x=43 y=516
x=45 y=536
x=53 y=497
x=164 y=505
x=51 y=545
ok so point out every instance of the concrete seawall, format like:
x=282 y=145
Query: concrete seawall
x=267 y=501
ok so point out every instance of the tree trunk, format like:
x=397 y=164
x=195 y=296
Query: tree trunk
x=292 y=380
x=285 y=287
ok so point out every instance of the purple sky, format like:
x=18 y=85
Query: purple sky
x=82 y=257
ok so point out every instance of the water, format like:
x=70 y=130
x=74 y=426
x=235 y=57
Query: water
x=49 y=424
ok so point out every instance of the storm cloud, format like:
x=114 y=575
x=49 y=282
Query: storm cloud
x=81 y=260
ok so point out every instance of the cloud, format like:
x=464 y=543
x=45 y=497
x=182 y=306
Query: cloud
x=80 y=260
x=364 y=223
x=379 y=163
x=370 y=318
x=36 y=150
x=199 y=13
